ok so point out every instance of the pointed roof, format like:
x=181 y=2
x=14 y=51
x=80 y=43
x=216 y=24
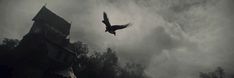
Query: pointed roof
x=55 y=21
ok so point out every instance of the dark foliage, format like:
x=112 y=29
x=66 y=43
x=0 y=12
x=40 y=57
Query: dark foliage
x=218 y=73
x=104 y=65
x=6 y=48
x=96 y=65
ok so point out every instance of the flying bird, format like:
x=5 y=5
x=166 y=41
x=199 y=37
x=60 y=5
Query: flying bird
x=112 y=28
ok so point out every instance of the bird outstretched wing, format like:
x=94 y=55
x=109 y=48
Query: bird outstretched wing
x=117 y=27
x=106 y=20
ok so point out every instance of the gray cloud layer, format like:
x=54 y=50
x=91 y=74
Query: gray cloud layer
x=173 y=38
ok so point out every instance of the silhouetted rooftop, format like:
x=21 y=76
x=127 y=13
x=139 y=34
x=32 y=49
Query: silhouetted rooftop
x=55 y=21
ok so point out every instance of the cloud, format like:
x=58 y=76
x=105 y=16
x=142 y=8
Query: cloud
x=173 y=38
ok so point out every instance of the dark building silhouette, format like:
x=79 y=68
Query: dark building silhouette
x=45 y=51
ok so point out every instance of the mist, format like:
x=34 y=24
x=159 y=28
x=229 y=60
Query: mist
x=172 y=38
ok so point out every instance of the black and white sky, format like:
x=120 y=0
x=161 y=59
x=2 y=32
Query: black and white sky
x=172 y=38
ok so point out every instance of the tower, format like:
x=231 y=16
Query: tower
x=45 y=51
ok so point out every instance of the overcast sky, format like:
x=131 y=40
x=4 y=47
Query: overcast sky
x=173 y=38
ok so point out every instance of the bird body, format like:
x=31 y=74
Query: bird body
x=112 y=28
